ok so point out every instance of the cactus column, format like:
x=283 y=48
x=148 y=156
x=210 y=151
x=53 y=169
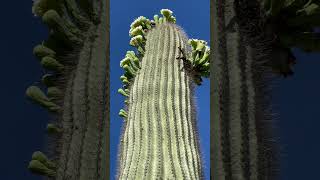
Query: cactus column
x=160 y=138
x=242 y=148
x=252 y=40
x=75 y=57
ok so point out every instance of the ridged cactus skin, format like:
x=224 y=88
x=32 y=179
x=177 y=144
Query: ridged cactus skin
x=251 y=43
x=241 y=145
x=159 y=139
x=75 y=59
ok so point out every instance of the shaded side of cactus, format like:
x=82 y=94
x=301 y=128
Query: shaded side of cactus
x=160 y=138
x=250 y=45
x=241 y=144
x=75 y=61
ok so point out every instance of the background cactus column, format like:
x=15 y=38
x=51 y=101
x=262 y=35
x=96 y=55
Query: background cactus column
x=251 y=42
x=160 y=139
x=75 y=58
x=242 y=145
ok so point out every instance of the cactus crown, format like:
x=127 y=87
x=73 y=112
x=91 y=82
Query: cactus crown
x=196 y=56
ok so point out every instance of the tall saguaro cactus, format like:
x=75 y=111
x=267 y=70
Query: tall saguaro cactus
x=251 y=39
x=159 y=138
x=77 y=82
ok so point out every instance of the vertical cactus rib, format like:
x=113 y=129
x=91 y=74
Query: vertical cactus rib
x=124 y=145
x=80 y=110
x=251 y=114
x=145 y=114
x=68 y=125
x=221 y=169
x=244 y=99
x=157 y=165
x=185 y=127
x=236 y=100
x=194 y=160
x=181 y=88
x=96 y=73
x=173 y=110
x=129 y=146
x=169 y=169
x=129 y=131
x=151 y=131
x=196 y=139
x=137 y=123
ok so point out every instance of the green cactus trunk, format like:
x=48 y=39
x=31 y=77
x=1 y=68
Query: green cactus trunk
x=78 y=90
x=159 y=138
x=241 y=141
x=83 y=154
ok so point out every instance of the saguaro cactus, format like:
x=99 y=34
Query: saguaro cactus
x=248 y=38
x=75 y=59
x=159 y=138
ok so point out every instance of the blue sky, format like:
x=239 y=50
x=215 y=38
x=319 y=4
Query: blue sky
x=297 y=103
x=194 y=18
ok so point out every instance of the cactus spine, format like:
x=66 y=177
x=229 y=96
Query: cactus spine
x=248 y=39
x=159 y=138
x=76 y=79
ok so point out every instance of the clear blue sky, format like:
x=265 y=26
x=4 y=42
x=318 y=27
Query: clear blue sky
x=23 y=124
x=297 y=103
x=194 y=18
